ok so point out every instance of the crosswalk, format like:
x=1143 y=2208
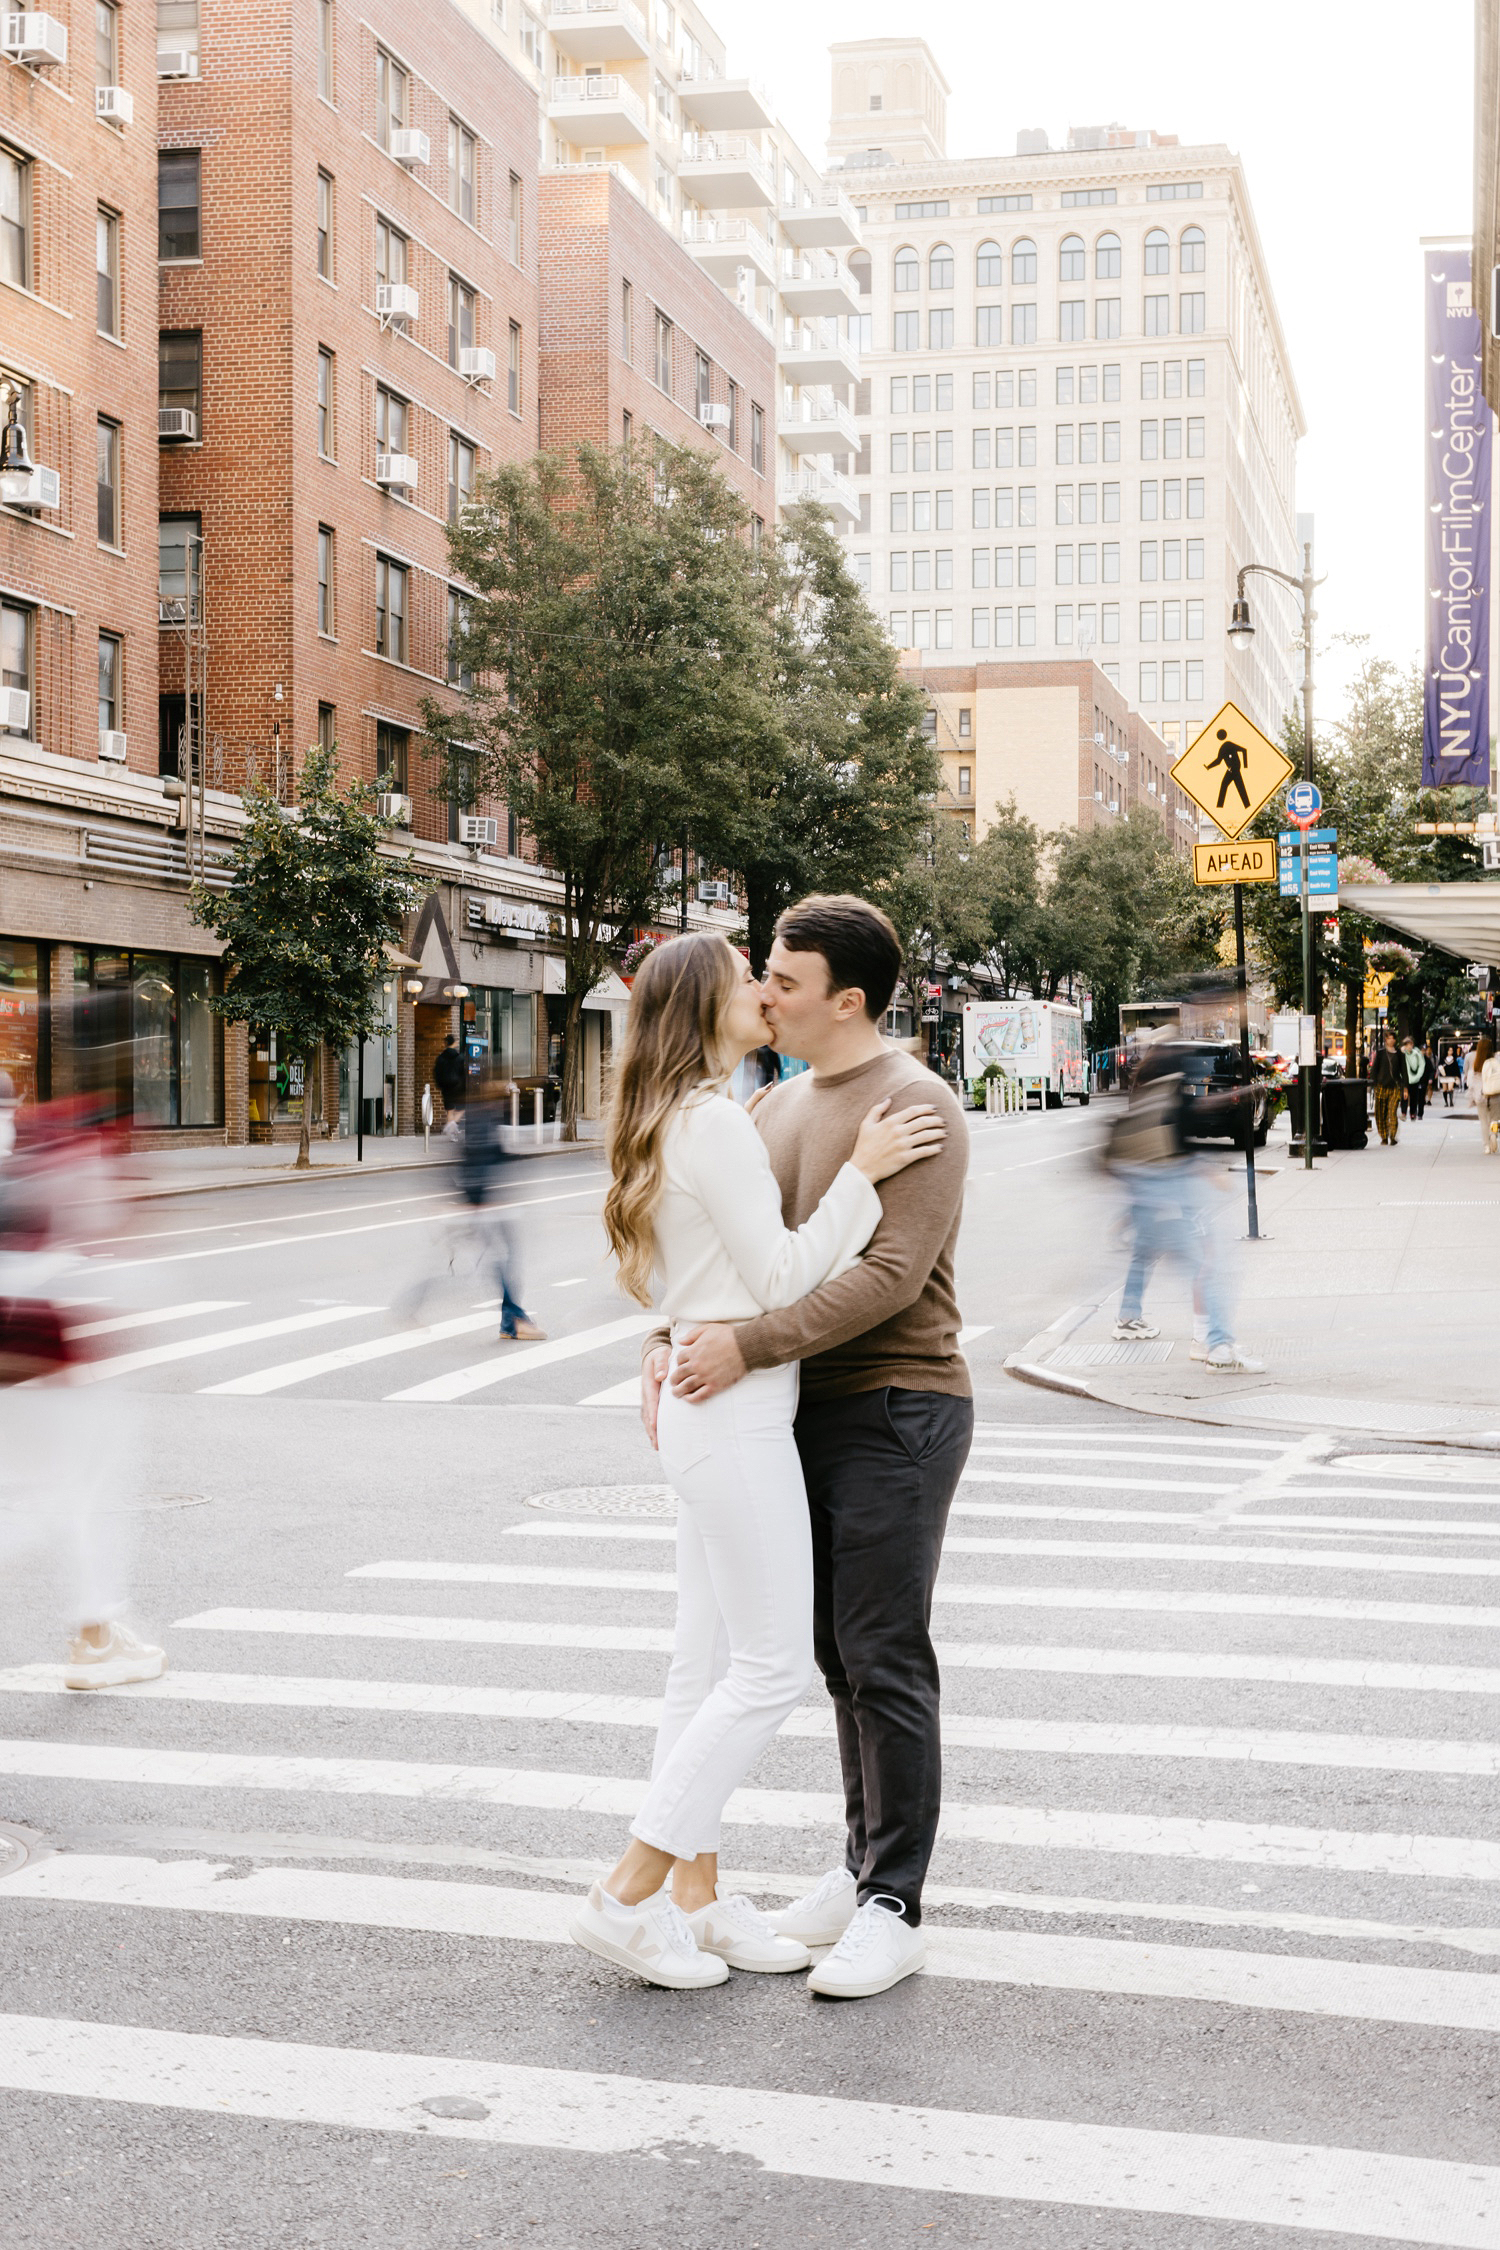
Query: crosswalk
x=1238 y=1807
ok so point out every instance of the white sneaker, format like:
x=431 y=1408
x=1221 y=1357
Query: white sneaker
x=877 y=1950
x=1228 y=1359
x=1198 y=1348
x=744 y=1937
x=823 y=1916
x=115 y=1661
x=1135 y=1331
x=653 y=1939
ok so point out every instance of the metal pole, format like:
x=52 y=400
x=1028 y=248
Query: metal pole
x=1244 y=998
x=682 y=903
x=359 y=1101
x=1311 y=1003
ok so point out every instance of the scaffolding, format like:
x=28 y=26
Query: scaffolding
x=182 y=610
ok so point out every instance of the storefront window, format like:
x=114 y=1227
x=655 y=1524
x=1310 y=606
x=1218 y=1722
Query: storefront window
x=147 y=1036
x=154 y=1039
x=22 y=1025
x=506 y=1019
x=378 y=1089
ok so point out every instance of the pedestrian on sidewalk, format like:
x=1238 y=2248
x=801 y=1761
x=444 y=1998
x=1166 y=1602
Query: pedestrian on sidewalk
x=452 y=1082
x=1485 y=1080
x=694 y=1205
x=1389 y=1080
x=1418 y=1078
x=1450 y=1074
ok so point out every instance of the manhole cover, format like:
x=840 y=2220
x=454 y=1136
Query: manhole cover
x=1439 y=1468
x=16 y=1848
x=608 y=1500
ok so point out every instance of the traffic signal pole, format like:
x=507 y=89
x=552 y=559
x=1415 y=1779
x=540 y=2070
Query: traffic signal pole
x=1253 y=1228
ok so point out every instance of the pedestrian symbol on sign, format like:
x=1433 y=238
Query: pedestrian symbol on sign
x=1232 y=758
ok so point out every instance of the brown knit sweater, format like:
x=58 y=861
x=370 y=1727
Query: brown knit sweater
x=893 y=1319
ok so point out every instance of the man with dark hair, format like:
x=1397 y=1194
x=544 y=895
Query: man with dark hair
x=883 y=1426
x=450 y=1077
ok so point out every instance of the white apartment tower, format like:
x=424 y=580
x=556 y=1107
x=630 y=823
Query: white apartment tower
x=645 y=91
x=1079 y=417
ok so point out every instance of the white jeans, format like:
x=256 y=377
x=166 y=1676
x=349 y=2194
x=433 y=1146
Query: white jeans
x=64 y=1469
x=742 y=1657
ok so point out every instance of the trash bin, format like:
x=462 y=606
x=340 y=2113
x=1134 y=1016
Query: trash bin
x=1346 y=1119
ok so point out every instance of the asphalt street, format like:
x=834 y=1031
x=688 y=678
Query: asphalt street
x=1214 y=1918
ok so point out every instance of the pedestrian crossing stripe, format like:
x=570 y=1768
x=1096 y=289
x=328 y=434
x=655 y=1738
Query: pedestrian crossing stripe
x=1311 y=1527
x=1012 y=1827
x=1358 y=1673
x=885 y=2145
x=462 y=1382
x=219 y=1340
x=1455 y=1999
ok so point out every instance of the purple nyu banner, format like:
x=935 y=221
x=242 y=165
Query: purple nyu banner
x=1456 y=707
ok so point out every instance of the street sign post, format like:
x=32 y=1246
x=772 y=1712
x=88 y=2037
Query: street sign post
x=1230 y=770
x=1255 y=862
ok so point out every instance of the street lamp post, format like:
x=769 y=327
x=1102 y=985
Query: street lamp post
x=1242 y=631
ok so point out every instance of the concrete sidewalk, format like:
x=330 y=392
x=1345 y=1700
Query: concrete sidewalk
x=148 y=1174
x=1373 y=1298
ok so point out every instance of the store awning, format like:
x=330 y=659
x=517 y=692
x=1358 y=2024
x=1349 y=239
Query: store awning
x=1461 y=918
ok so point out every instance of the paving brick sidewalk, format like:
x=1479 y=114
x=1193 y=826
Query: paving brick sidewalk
x=1374 y=1300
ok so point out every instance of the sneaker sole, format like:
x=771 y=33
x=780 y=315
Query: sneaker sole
x=801 y=1960
x=115 y=1675
x=867 y=1989
x=623 y=1958
x=828 y=1933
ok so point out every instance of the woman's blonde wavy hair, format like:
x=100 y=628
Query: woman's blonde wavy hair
x=672 y=1045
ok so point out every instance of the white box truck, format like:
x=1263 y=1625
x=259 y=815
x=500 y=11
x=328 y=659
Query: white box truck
x=1038 y=1043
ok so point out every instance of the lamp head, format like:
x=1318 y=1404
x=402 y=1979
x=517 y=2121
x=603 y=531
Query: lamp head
x=15 y=454
x=1240 y=627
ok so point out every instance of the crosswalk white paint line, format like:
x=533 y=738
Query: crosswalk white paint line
x=1396 y=1527
x=627 y=1393
x=1167 y=1602
x=1456 y=1999
x=1051 y=1738
x=1014 y=1433
x=334 y=1234
x=958 y=2152
x=1138 y=1452
x=265 y=1379
x=461 y=1382
x=985 y=1656
x=223 y=1339
x=1012 y=1827
x=1033 y=1477
x=156 y=1319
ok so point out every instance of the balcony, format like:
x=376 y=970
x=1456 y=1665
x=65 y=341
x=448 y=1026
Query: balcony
x=724 y=105
x=816 y=284
x=824 y=485
x=817 y=429
x=725 y=173
x=599 y=111
x=827 y=223
x=720 y=247
x=599 y=31
x=830 y=361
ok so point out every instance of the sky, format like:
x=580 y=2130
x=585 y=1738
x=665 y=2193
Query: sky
x=1354 y=124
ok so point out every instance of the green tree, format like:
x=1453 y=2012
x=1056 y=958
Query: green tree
x=311 y=903
x=1119 y=913
x=938 y=903
x=839 y=794
x=620 y=645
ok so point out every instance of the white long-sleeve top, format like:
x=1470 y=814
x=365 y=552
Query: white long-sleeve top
x=722 y=1252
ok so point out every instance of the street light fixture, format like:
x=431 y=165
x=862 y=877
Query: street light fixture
x=1240 y=627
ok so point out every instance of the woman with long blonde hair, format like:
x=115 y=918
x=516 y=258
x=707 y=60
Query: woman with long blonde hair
x=693 y=1216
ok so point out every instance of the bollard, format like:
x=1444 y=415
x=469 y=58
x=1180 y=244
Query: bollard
x=515 y=1108
x=536 y=1115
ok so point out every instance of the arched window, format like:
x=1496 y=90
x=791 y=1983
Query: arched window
x=1070 y=258
x=940 y=266
x=909 y=270
x=1194 y=250
x=1107 y=258
x=859 y=266
x=1023 y=260
x=1158 y=251
x=989 y=266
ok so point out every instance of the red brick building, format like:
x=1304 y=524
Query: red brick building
x=636 y=339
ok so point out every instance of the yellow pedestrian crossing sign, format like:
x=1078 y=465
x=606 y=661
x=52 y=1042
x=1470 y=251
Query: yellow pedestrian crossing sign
x=1230 y=770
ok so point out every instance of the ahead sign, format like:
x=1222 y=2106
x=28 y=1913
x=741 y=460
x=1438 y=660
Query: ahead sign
x=1235 y=863
x=1230 y=770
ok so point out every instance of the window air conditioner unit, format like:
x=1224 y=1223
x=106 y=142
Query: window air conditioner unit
x=714 y=416
x=391 y=805
x=476 y=364
x=176 y=422
x=478 y=828
x=713 y=894
x=114 y=105
x=395 y=468
x=31 y=488
x=408 y=146
x=33 y=39
x=395 y=300
x=176 y=62
x=15 y=708
x=112 y=745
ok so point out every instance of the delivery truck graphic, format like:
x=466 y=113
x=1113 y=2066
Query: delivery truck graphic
x=1038 y=1043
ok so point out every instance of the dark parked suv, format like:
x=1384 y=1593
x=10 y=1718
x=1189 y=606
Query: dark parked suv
x=1211 y=1073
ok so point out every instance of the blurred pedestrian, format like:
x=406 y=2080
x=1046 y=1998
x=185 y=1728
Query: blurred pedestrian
x=1450 y=1074
x=451 y=1080
x=483 y=1125
x=1388 y=1077
x=1484 y=1081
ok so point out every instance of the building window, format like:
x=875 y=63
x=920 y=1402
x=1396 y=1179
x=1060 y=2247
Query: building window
x=390 y=97
x=325 y=225
x=661 y=364
x=179 y=375
x=1107 y=258
x=328 y=728
x=461 y=303
x=1193 y=251
x=906 y=332
x=107 y=263
x=989 y=266
x=463 y=151
x=326 y=436
x=702 y=382
x=531 y=39
x=627 y=426
x=106 y=44
x=460 y=475
x=325 y=50
x=940 y=266
x=1023 y=262
x=1158 y=316
x=1026 y=627
x=1195 y=496
x=1023 y=324
x=513 y=369
x=627 y=324
x=110 y=652
x=1158 y=251
x=390 y=252
x=177 y=31
x=1106 y=319
x=390 y=611
x=325 y=580
x=178 y=562
x=758 y=440
x=15 y=658
x=15 y=219
x=390 y=421
x=392 y=746
x=989 y=326
x=1072 y=320
x=107 y=454
x=168 y=1069
x=1192 y=306
x=178 y=202
x=940 y=329
x=732 y=434
x=514 y=221
x=459 y=673
x=907 y=277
